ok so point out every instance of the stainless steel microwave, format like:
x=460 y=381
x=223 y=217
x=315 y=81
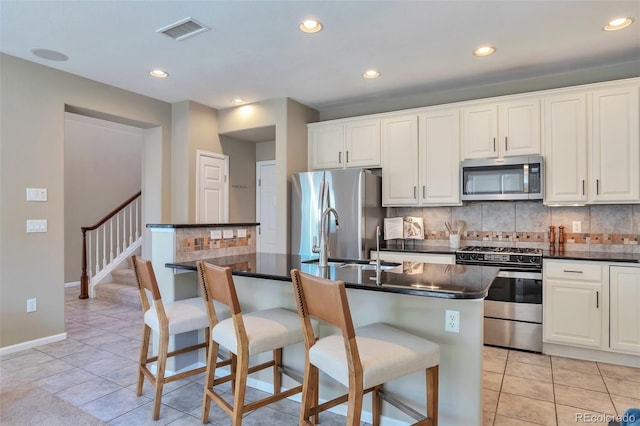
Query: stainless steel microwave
x=510 y=178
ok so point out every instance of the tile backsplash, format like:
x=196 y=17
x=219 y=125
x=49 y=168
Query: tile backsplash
x=526 y=223
x=197 y=243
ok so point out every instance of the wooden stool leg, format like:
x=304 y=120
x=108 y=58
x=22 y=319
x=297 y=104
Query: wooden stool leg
x=277 y=373
x=241 y=387
x=212 y=359
x=234 y=368
x=375 y=406
x=144 y=354
x=316 y=397
x=163 y=347
x=354 y=408
x=308 y=393
x=432 y=394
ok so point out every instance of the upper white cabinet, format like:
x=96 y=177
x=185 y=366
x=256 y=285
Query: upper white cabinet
x=624 y=314
x=615 y=145
x=421 y=159
x=501 y=129
x=565 y=148
x=439 y=152
x=400 y=160
x=353 y=143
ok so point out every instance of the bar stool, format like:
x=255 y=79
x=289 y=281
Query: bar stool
x=165 y=320
x=244 y=335
x=362 y=359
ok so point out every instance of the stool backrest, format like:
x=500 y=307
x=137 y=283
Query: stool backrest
x=217 y=284
x=327 y=301
x=147 y=282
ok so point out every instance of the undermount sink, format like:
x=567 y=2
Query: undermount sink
x=353 y=264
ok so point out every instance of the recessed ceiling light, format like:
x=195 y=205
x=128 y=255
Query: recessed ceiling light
x=484 y=51
x=158 y=73
x=310 y=26
x=237 y=101
x=50 y=55
x=618 y=24
x=371 y=74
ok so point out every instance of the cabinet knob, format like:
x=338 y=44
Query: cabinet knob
x=340 y=158
x=424 y=191
x=506 y=145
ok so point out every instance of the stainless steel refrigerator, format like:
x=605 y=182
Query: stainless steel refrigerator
x=356 y=194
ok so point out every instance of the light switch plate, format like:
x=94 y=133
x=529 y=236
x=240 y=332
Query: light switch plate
x=36 y=194
x=216 y=234
x=242 y=233
x=37 y=225
x=227 y=233
x=576 y=226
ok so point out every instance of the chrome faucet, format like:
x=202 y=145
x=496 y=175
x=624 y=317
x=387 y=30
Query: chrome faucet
x=323 y=249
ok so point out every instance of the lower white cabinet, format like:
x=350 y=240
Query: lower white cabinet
x=573 y=303
x=624 y=315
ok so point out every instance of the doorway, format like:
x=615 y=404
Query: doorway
x=212 y=187
x=266 y=206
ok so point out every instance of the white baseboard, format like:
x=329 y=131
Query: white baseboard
x=32 y=343
x=72 y=284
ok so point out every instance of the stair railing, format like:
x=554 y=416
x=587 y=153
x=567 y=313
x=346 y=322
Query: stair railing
x=124 y=224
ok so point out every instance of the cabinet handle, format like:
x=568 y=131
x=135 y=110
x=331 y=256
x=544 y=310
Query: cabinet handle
x=597 y=186
x=340 y=158
x=506 y=146
x=597 y=299
x=494 y=144
x=572 y=272
x=415 y=192
x=582 y=186
x=424 y=191
x=347 y=156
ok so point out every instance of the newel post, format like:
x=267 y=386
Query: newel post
x=84 y=278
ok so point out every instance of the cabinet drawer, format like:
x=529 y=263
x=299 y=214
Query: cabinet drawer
x=573 y=271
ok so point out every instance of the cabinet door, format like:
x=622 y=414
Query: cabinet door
x=399 y=161
x=624 y=312
x=572 y=313
x=480 y=131
x=519 y=127
x=326 y=144
x=362 y=143
x=439 y=152
x=615 y=147
x=565 y=148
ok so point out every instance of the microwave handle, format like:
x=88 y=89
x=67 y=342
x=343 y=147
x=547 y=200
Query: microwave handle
x=525 y=180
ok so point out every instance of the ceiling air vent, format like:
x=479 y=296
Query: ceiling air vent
x=183 y=29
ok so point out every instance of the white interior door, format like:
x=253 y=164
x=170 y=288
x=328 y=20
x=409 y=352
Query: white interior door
x=212 y=196
x=266 y=206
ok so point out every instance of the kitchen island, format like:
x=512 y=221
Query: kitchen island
x=412 y=296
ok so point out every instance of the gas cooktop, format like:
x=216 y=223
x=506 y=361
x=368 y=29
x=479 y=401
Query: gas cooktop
x=522 y=257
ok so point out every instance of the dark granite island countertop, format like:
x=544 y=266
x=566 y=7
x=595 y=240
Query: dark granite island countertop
x=415 y=278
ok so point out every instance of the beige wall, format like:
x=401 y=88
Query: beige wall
x=242 y=178
x=32 y=103
x=102 y=168
x=266 y=151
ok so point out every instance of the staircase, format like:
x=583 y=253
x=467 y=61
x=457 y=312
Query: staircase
x=122 y=289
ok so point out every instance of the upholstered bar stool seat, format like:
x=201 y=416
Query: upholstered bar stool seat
x=386 y=353
x=183 y=315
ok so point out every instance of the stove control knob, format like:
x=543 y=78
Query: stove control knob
x=520 y=259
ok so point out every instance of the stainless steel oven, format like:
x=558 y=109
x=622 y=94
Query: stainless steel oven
x=513 y=306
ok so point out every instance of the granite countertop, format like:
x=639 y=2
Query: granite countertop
x=198 y=225
x=414 y=278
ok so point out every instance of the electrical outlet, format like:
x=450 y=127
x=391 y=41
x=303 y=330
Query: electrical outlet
x=242 y=233
x=452 y=321
x=227 y=233
x=216 y=234
x=576 y=226
x=32 y=305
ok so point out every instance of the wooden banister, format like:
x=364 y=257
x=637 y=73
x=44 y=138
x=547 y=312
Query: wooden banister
x=84 y=278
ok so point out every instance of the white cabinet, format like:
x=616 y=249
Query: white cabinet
x=500 y=130
x=400 y=160
x=573 y=303
x=615 y=149
x=421 y=161
x=624 y=313
x=439 y=152
x=565 y=148
x=352 y=143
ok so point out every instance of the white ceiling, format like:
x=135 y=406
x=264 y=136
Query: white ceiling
x=255 y=51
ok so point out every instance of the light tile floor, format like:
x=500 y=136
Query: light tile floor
x=95 y=369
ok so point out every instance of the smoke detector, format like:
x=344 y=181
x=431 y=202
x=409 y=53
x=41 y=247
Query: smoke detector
x=183 y=29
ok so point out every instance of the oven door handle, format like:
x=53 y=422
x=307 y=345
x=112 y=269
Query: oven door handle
x=520 y=274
